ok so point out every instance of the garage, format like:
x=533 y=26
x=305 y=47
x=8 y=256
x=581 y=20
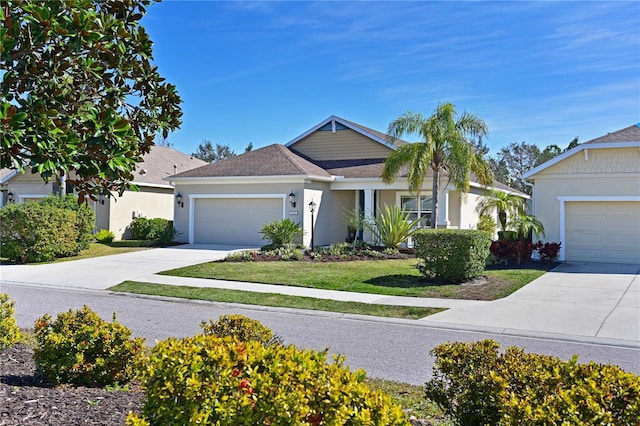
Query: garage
x=602 y=231
x=235 y=221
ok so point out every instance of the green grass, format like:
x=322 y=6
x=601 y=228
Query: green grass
x=412 y=399
x=107 y=249
x=271 y=299
x=386 y=277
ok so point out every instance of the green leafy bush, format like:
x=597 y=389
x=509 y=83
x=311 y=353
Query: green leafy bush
x=159 y=230
x=392 y=227
x=241 y=328
x=36 y=232
x=451 y=255
x=9 y=331
x=104 y=236
x=281 y=233
x=477 y=386
x=81 y=348
x=85 y=217
x=487 y=224
x=209 y=380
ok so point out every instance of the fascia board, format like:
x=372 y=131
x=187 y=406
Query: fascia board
x=204 y=180
x=8 y=177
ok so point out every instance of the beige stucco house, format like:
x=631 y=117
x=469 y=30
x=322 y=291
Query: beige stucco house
x=155 y=197
x=337 y=165
x=588 y=198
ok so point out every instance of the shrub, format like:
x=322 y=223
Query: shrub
x=487 y=224
x=513 y=250
x=548 y=251
x=85 y=217
x=35 y=232
x=285 y=253
x=104 y=236
x=451 y=255
x=159 y=230
x=392 y=227
x=281 y=233
x=241 y=256
x=241 y=328
x=211 y=380
x=81 y=348
x=476 y=385
x=9 y=331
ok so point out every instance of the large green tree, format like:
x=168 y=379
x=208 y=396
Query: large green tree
x=446 y=147
x=207 y=152
x=79 y=91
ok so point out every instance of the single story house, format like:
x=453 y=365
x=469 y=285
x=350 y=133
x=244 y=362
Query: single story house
x=154 y=199
x=336 y=164
x=588 y=198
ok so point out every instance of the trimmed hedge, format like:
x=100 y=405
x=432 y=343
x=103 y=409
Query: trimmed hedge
x=159 y=230
x=210 y=380
x=35 y=232
x=476 y=385
x=451 y=255
x=241 y=328
x=85 y=217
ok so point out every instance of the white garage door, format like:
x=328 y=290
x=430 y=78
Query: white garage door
x=603 y=232
x=234 y=221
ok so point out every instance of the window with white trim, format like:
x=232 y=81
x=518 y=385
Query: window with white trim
x=422 y=211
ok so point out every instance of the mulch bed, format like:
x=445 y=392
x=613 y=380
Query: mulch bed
x=25 y=400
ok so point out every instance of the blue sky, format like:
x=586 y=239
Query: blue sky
x=265 y=72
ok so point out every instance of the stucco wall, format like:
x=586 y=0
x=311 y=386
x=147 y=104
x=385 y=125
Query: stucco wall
x=342 y=145
x=149 y=203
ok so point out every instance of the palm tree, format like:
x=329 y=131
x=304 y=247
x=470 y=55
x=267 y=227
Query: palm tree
x=445 y=147
x=506 y=204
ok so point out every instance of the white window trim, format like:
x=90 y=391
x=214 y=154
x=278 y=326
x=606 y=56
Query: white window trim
x=573 y=199
x=399 y=196
x=194 y=197
x=22 y=197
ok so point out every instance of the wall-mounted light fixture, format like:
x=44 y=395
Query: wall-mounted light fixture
x=10 y=198
x=292 y=199
x=179 y=200
x=101 y=199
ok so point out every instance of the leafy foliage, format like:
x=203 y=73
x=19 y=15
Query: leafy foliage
x=507 y=206
x=104 y=236
x=548 y=251
x=158 y=229
x=85 y=216
x=487 y=224
x=451 y=255
x=476 y=385
x=206 y=152
x=241 y=328
x=81 y=348
x=513 y=251
x=210 y=380
x=446 y=146
x=35 y=232
x=9 y=331
x=392 y=227
x=281 y=233
x=79 y=91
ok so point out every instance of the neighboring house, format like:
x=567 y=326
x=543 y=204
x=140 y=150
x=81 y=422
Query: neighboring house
x=588 y=199
x=154 y=199
x=337 y=164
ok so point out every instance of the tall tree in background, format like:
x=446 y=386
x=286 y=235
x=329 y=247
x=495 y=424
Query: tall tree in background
x=445 y=148
x=249 y=147
x=207 y=152
x=79 y=91
x=519 y=158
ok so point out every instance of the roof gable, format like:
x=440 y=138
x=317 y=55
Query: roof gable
x=624 y=138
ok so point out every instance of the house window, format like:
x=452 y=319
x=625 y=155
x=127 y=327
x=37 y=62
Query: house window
x=423 y=211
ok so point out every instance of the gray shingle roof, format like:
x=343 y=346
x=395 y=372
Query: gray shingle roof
x=162 y=162
x=628 y=134
x=272 y=160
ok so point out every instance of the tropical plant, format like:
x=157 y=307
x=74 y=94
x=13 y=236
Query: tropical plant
x=392 y=227
x=355 y=223
x=445 y=148
x=525 y=224
x=281 y=233
x=486 y=223
x=104 y=236
x=507 y=205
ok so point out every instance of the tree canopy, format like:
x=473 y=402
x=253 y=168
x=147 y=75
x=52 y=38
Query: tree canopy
x=79 y=91
x=447 y=145
x=207 y=152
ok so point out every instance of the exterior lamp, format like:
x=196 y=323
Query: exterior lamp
x=10 y=197
x=101 y=199
x=292 y=199
x=179 y=200
x=312 y=209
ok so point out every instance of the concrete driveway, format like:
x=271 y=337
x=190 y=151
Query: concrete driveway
x=103 y=272
x=582 y=300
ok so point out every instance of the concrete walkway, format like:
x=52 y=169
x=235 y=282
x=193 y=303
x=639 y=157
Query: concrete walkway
x=581 y=302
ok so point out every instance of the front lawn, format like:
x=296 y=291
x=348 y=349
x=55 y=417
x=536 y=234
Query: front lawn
x=397 y=277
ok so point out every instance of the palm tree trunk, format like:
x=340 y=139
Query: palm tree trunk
x=435 y=197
